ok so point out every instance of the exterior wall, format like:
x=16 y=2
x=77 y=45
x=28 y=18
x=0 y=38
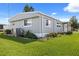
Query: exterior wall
x=53 y=26
x=17 y=24
x=69 y=27
x=56 y=28
x=36 y=25
x=47 y=29
x=60 y=29
x=35 y=28
x=65 y=27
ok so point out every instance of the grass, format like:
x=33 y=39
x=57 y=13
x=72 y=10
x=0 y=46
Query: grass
x=66 y=45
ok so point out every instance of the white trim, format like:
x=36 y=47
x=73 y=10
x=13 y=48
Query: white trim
x=40 y=34
x=27 y=26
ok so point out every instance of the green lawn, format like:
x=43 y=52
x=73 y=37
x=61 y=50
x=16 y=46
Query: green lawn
x=66 y=45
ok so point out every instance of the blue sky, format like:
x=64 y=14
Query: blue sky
x=61 y=11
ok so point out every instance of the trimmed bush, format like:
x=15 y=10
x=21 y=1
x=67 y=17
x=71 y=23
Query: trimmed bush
x=30 y=35
x=51 y=35
x=69 y=32
x=76 y=30
x=61 y=33
x=8 y=31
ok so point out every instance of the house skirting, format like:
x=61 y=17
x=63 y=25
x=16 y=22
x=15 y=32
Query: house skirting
x=40 y=34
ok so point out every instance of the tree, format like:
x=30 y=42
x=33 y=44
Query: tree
x=28 y=8
x=78 y=25
x=74 y=22
x=31 y=8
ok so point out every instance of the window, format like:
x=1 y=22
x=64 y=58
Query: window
x=47 y=22
x=58 y=26
x=58 y=23
x=27 y=22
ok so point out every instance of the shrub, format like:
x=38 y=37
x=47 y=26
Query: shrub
x=61 y=33
x=8 y=31
x=51 y=35
x=76 y=30
x=69 y=32
x=30 y=35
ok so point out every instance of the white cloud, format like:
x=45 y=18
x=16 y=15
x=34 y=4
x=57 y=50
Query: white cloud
x=4 y=20
x=54 y=13
x=72 y=7
x=64 y=19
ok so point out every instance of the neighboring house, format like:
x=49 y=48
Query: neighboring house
x=67 y=26
x=36 y=22
x=2 y=27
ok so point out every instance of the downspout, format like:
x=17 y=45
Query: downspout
x=41 y=27
x=63 y=27
x=53 y=25
x=67 y=27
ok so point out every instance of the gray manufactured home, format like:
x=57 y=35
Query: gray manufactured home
x=38 y=23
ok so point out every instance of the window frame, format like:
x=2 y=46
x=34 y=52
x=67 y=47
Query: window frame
x=48 y=23
x=29 y=23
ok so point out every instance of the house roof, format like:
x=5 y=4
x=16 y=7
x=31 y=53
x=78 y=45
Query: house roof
x=28 y=15
x=2 y=24
x=66 y=22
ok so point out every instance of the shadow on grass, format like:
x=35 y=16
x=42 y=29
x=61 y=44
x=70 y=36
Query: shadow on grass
x=17 y=39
